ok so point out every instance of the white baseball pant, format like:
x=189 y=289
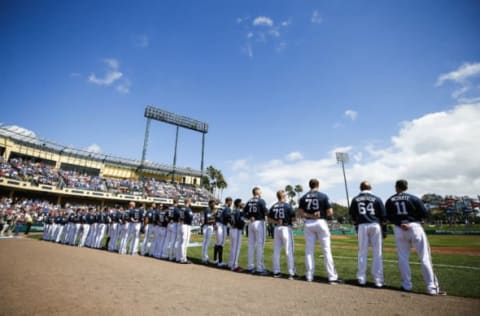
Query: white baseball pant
x=183 y=238
x=256 y=243
x=283 y=238
x=235 y=245
x=370 y=233
x=134 y=238
x=404 y=239
x=207 y=236
x=317 y=229
x=149 y=231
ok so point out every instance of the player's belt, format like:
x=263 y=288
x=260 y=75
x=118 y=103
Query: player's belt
x=281 y=225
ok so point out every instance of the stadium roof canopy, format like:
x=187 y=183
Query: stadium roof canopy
x=21 y=135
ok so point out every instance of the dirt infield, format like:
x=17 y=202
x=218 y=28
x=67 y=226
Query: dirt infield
x=41 y=278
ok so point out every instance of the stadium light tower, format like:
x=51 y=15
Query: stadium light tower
x=343 y=159
x=179 y=121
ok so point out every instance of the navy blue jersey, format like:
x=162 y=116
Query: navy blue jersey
x=125 y=217
x=315 y=201
x=83 y=218
x=256 y=208
x=162 y=218
x=208 y=217
x=405 y=208
x=71 y=218
x=172 y=214
x=185 y=215
x=148 y=218
x=104 y=218
x=90 y=218
x=135 y=215
x=117 y=218
x=237 y=219
x=227 y=214
x=282 y=211
x=367 y=208
x=64 y=220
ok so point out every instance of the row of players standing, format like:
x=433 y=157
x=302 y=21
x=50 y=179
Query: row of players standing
x=405 y=211
x=168 y=228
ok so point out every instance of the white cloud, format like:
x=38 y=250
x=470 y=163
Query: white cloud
x=262 y=21
x=464 y=77
x=124 y=87
x=316 y=18
x=435 y=153
x=112 y=63
x=262 y=30
x=351 y=114
x=294 y=156
x=75 y=75
x=111 y=76
x=94 y=148
x=463 y=73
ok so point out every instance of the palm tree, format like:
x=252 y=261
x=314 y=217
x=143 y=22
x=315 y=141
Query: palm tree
x=299 y=190
x=291 y=194
x=214 y=180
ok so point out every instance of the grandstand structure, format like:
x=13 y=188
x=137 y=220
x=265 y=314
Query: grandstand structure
x=33 y=166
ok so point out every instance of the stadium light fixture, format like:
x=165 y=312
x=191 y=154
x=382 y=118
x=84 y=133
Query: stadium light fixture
x=343 y=159
x=153 y=113
x=174 y=119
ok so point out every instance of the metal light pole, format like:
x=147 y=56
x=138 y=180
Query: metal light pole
x=343 y=158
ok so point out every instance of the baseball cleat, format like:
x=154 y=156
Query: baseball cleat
x=336 y=282
x=405 y=290
x=277 y=275
x=437 y=293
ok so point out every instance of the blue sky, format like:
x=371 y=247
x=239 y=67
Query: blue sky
x=282 y=84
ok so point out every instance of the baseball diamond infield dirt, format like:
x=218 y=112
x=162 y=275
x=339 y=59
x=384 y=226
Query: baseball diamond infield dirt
x=42 y=278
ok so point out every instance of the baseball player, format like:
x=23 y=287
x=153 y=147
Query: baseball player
x=282 y=216
x=256 y=211
x=237 y=223
x=113 y=230
x=171 y=236
x=159 y=231
x=368 y=215
x=85 y=221
x=222 y=218
x=407 y=213
x=136 y=217
x=315 y=207
x=148 y=229
x=185 y=218
x=93 y=229
x=208 y=221
x=124 y=230
x=78 y=226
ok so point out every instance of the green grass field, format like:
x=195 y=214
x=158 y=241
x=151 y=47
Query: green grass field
x=458 y=274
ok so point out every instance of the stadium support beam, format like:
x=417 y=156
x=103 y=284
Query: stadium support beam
x=343 y=158
x=145 y=142
x=203 y=157
x=175 y=155
x=179 y=121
